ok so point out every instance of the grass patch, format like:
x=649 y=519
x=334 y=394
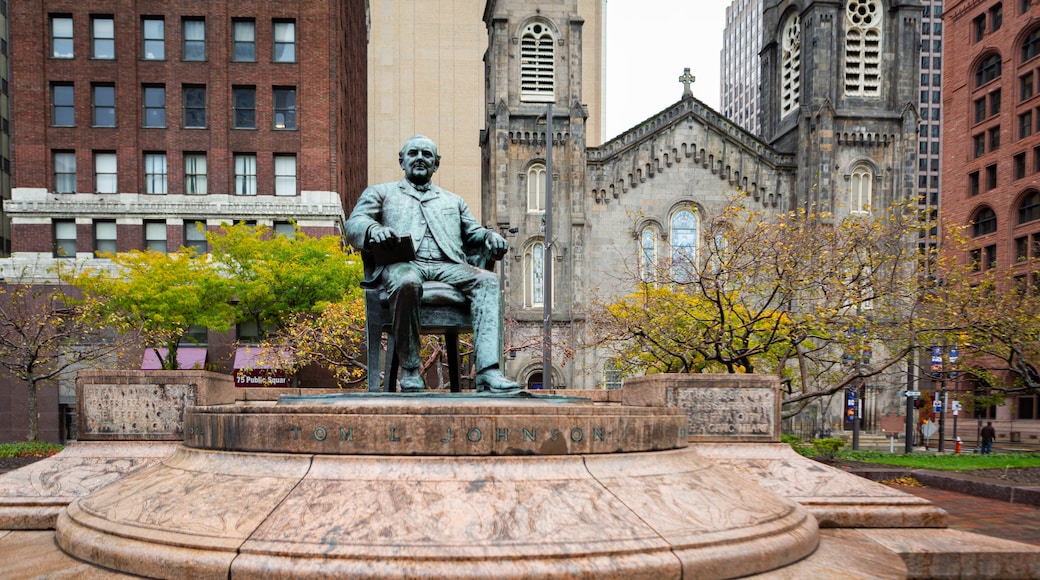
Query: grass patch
x=951 y=462
x=29 y=449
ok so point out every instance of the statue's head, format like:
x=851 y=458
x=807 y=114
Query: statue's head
x=419 y=159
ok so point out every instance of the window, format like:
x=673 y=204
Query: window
x=195 y=106
x=195 y=236
x=61 y=37
x=985 y=223
x=979 y=145
x=155 y=236
x=863 y=48
x=534 y=275
x=994 y=138
x=684 y=245
x=1021 y=250
x=105 y=237
x=973 y=183
x=244 y=36
x=537 y=64
x=64 y=238
x=991 y=177
x=154 y=98
x=195 y=174
x=104 y=105
x=994 y=102
x=612 y=375
x=1024 y=5
x=284 y=41
x=63 y=106
x=976 y=259
x=791 y=65
x=1029 y=209
x=989 y=257
x=153 y=31
x=64 y=172
x=285 y=107
x=287 y=229
x=980 y=109
x=1027 y=408
x=1026 y=89
x=536 y=188
x=194 y=39
x=988 y=70
x=103 y=38
x=245 y=107
x=648 y=254
x=996 y=17
x=285 y=175
x=155 y=173
x=979 y=27
x=1025 y=124
x=106 y=180
x=245 y=174
x=1020 y=165
x=861 y=186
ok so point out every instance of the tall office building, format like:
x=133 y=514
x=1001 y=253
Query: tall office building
x=741 y=42
x=929 y=154
x=138 y=120
x=426 y=75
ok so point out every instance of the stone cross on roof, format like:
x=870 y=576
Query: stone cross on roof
x=687 y=79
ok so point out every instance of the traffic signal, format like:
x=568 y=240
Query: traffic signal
x=919 y=403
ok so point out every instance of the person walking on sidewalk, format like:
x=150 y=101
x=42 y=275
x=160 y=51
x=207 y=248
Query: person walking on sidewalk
x=988 y=434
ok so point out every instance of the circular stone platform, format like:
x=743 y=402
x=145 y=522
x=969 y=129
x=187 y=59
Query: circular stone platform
x=576 y=511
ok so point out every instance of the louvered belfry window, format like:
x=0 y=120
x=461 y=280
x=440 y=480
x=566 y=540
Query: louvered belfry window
x=863 y=48
x=791 y=66
x=537 y=69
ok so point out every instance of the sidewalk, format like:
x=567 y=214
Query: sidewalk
x=980 y=515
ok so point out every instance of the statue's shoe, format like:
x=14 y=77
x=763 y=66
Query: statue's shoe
x=495 y=382
x=411 y=381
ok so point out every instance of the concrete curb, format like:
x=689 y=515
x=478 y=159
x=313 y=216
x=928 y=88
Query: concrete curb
x=958 y=482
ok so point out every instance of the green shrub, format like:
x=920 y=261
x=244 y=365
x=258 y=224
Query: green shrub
x=796 y=443
x=827 y=448
x=29 y=449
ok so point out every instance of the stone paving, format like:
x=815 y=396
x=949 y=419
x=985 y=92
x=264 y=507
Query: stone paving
x=1010 y=521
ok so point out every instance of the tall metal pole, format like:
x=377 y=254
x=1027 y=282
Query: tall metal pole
x=547 y=266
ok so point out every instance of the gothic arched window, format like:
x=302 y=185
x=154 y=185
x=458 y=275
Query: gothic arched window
x=863 y=48
x=534 y=276
x=791 y=65
x=648 y=254
x=988 y=70
x=537 y=66
x=536 y=188
x=1029 y=209
x=683 y=237
x=861 y=190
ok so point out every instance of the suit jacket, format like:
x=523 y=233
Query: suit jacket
x=399 y=206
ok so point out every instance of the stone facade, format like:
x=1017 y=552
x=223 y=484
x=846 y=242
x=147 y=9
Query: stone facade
x=686 y=158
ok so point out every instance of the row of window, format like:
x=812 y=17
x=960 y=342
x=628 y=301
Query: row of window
x=154 y=113
x=988 y=22
x=156 y=173
x=1020 y=169
x=155 y=236
x=193 y=38
x=985 y=221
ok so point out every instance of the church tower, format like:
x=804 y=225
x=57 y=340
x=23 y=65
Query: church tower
x=839 y=87
x=534 y=60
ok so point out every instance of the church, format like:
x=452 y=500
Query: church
x=839 y=133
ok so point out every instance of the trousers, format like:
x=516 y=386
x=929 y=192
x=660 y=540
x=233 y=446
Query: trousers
x=403 y=282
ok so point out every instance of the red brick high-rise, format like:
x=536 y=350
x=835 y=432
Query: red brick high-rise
x=135 y=120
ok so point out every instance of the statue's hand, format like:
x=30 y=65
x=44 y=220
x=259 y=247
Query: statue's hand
x=380 y=235
x=496 y=244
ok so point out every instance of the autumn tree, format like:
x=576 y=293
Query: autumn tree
x=159 y=296
x=803 y=295
x=43 y=335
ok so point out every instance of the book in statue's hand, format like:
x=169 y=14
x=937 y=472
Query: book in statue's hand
x=393 y=251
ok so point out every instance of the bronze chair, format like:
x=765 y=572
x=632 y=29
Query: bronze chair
x=444 y=310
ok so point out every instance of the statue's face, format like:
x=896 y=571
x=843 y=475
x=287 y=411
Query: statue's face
x=419 y=160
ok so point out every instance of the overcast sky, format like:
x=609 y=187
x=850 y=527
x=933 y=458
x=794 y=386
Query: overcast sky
x=648 y=44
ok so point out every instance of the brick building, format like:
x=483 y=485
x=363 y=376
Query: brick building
x=135 y=120
x=991 y=169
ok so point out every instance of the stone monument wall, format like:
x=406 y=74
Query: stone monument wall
x=144 y=405
x=719 y=407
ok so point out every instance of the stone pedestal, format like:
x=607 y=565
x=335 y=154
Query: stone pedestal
x=719 y=408
x=540 y=493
